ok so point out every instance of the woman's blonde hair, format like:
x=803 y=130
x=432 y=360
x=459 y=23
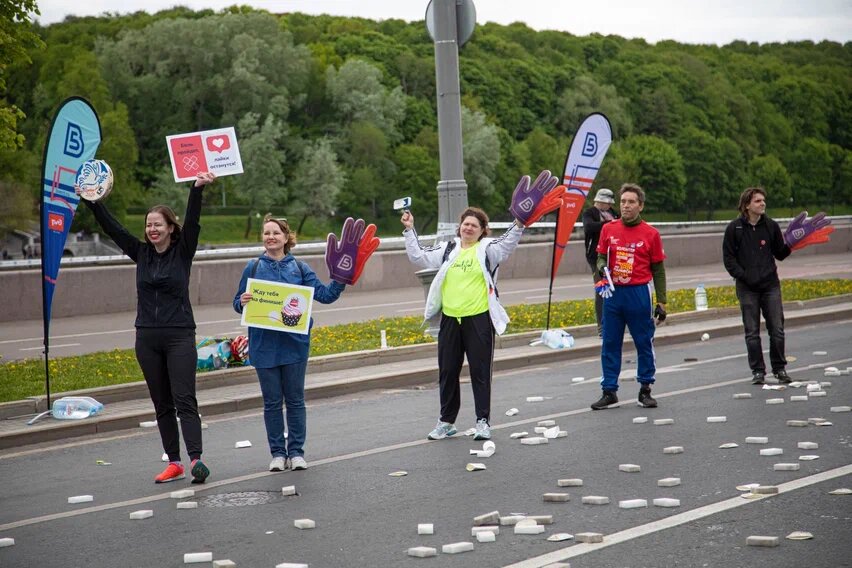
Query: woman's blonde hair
x=285 y=228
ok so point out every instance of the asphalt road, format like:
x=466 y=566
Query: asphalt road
x=365 y=517
x=77 y=335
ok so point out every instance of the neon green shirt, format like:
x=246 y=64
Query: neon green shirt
x=463 y=291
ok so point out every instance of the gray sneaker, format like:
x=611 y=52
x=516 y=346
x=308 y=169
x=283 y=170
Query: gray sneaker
x=441 y=431
x=278 y=463
x=297 y=463
x=483 y=430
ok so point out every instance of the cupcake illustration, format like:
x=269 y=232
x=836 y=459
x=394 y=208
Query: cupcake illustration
x=291 y=312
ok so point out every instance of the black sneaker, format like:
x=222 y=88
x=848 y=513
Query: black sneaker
x=645 y=398
x=607 y=400
x=757 y=378
x=783 y=377
x=199 y=471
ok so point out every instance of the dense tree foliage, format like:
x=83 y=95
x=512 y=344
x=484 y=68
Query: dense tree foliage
x=336 y=116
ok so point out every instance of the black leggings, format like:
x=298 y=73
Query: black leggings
x=168 y=358
x=474 y=337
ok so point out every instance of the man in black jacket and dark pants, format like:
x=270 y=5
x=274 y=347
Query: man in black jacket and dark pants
x=751 y=245
x=594 y=219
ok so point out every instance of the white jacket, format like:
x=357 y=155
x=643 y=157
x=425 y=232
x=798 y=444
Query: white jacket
x=497 y=250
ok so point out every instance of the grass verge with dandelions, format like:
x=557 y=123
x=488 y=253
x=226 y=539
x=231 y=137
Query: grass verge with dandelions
x=23 y=378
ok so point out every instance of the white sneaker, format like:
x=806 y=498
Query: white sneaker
x=298 y=462
x=278 y=463
x=441 y=431
x=483 y=430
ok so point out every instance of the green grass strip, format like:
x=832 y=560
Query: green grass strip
x=23 y=378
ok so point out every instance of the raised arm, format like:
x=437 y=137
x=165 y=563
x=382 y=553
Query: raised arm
x=128 y=244
x=424 y=257
x=323 y=293
x=503 y=246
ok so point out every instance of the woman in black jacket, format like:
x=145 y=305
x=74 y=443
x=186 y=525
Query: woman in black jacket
x=594 y=218
x=165 y=327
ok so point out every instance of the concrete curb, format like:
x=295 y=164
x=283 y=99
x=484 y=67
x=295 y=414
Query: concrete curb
x=417 y=374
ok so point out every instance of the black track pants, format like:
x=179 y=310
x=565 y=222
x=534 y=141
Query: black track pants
x=168 y=359
x=474 y=337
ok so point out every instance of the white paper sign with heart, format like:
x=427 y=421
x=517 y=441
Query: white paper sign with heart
x=214 y=151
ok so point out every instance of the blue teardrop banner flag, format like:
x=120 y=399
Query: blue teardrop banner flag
x=73 y=138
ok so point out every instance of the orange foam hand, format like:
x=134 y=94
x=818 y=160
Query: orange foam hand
x=816 y=238
x=368 y=245
x=551 y=201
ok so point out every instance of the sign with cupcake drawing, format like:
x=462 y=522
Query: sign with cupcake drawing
x=278 y=306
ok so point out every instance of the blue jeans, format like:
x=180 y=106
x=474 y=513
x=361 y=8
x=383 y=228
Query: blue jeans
x=282 y=385
x=752 y=304
x=630 y=306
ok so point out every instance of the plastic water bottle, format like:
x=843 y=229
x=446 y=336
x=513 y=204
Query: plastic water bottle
x=700 y=298
x=75 y=407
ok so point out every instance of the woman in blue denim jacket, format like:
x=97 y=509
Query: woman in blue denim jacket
x=281 y=358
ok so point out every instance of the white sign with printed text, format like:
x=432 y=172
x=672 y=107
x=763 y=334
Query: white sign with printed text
x=214 y=151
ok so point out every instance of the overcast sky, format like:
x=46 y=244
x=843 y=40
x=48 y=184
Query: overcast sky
x=687 y=21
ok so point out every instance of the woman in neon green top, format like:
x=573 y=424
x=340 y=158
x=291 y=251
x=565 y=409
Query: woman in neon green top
x=463 y=296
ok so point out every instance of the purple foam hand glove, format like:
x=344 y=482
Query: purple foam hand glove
x=341 y=256
x=526 y=197
x=801 y=227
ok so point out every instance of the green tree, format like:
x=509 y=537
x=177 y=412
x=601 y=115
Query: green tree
x=542 y=152
x=661 y=172
x=481 y=148
x=357 y=92
x=417 y=177
x=586 y=96
x=769 y=173
x=181 y=75
x=713 y=167
x=841 y=191
x=620 y=166
x=262 y=182
x=16 y=37
x=317 y=182
x=811 y=167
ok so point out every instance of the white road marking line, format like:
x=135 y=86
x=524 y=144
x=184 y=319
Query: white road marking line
x=74 y=335
x=374 y=451
x=322 y=310
x=519 y=371
x=52 y=347
x=234 y=319
x=675 y=520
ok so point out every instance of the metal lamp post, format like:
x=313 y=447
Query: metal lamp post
x=450 y=24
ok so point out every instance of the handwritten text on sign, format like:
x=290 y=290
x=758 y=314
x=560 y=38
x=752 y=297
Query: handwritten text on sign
x=213 y=151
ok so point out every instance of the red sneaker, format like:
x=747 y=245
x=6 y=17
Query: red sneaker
x=173 y=472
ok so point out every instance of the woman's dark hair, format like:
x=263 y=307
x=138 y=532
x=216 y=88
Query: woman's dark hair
x=747 y=196
x=171 y=220
x=285 y=228
x=480 y=215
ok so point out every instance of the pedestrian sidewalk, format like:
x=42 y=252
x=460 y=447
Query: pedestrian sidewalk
x=232 y=390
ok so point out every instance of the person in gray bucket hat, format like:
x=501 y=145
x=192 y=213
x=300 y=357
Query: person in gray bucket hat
x=594 y=219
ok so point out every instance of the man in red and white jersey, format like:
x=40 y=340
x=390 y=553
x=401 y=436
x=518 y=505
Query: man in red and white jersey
x=630 y=257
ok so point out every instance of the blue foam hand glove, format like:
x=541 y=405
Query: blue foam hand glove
x=341 y=256
x=801 y=227
x=604 y=286
x=526 y=197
